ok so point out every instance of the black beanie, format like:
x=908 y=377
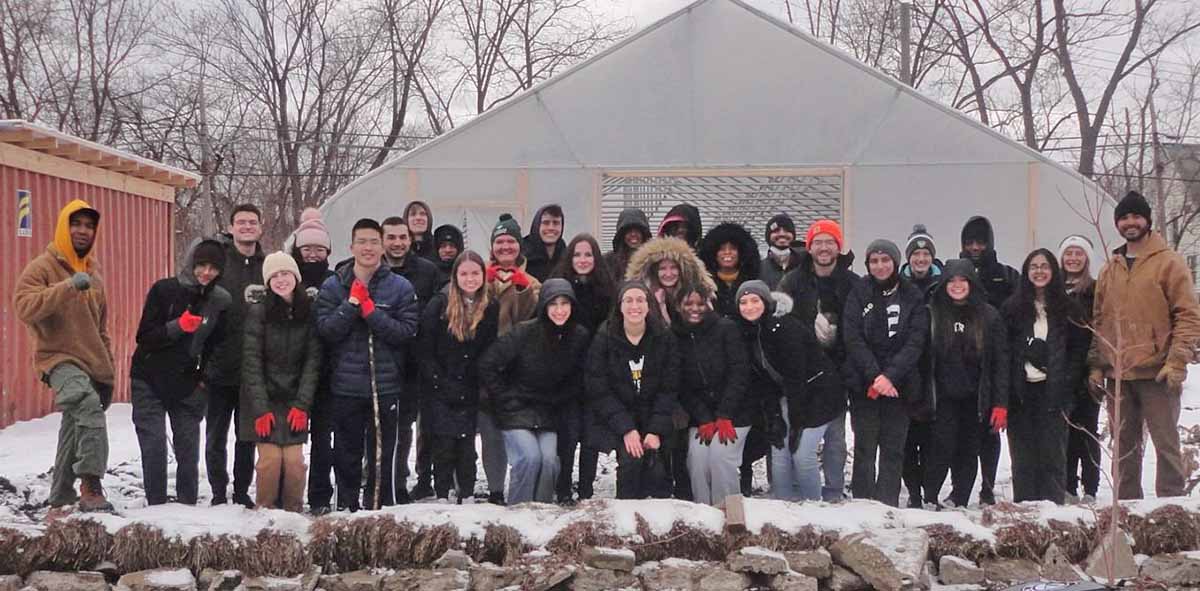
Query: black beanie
x=781 y=220
x=1133 y=202
x=209 y=252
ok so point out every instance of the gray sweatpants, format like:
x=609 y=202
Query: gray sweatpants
x=83 y=434
x=714 y=467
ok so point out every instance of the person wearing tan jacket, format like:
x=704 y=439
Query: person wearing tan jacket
x=1145 y=290
x=60 y=296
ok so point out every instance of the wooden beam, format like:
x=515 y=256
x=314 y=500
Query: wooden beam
x=68 y=151
x=735 y=514
x=40 y=143
x=123 y=165
x=88 y=155
x=16 y=137
x=43 y=163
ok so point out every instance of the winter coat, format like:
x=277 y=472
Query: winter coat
x=994 y=370
x=422 y=274
x=772 y=273
x=802 y=285
x=929 y=282
x=1085 y=299
x=1160 y=324
x=871 y=352
x=998 y=279
x=630 y=219
x=748 y=263
x=616 y=403
x=348 y=337
x=164 y=356
x=643 y=266
x=594 y=305
x=281 y=366
x=422 y=245
x=535 y=371
x=65 y=324
x=690 y=216
x=449 y=368
x=715 y=372
x=538 y=262
x=242 y=278
x=1066 y=358
x=786 y=360
x=446 y=267
x=516 y=304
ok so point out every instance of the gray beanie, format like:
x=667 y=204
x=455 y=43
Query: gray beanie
x=886 y=247
x=760 y=289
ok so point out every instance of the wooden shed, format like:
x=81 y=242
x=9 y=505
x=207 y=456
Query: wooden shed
x=42 y=169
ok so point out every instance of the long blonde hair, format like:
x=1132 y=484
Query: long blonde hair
x=462 y=317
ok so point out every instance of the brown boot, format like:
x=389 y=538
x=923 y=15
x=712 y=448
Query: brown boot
x=91 y=495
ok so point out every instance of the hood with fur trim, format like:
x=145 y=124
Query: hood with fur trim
x=644 y=264
x=748 y=257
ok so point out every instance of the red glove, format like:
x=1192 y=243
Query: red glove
x=725 y=431
x=520 y=279
x=366 y=307
x=705 y=432
x=298 y=419
x=263 y=424
x=872 y=393
x=358 y=291
x=189 y=322
x=490 y=274
x=999 y=419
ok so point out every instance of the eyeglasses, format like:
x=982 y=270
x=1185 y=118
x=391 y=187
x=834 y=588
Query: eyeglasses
x=1040 y=267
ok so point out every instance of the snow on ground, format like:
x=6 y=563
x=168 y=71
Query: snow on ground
x=27 y=454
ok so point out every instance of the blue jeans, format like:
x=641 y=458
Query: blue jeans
x=797 y=476
x=833 y=460
x=533 y=458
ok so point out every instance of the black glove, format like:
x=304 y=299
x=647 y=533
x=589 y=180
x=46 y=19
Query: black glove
x=1036 y=353
x=777 y=431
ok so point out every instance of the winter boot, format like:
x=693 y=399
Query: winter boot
x=91 y=495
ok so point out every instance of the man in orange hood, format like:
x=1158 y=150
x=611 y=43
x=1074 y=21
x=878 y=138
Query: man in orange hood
x=60 y=296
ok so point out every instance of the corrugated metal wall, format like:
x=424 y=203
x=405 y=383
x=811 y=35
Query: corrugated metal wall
x=134 y=248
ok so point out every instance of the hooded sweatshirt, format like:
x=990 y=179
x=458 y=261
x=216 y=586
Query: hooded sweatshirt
x=631 y=219
x=538 y=262
x=422 y=244
x=689 y=215
x=446 y=233
x=67 y=325
x=998 y=279
x=166 y=358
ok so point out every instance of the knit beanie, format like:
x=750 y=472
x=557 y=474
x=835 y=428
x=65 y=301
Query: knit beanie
x=447 y=233
x=782 y=221
x=279 y=261
x=506 y=226
x=760 y=289
x=884 y=246
x=1079 y=241
x=919 y=239
x=1133 y=202
x=311 y=231
x=825 y=227
x=209 y=252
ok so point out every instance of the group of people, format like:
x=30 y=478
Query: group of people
x=681 y=350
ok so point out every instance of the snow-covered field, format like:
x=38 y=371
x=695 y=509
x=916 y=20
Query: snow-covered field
x=27 y=454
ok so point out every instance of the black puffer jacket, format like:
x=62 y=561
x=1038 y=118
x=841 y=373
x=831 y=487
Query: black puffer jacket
x=616 y=402
x=594 y=304
x=242 y=278
x=422 y=274
x=449 y=368
x=535 y=371
x=446 y=233
x=165 y=357
x=799 y=369
x=715 y=372
x=994 y=370
x=630 y=220
x=998 y=279
x=1066 y=356
x=281 y=366
x=804 y=287
x=869 y=349
x=748 y=263
x=538 y=262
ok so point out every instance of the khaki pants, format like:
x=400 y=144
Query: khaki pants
x=83 y=434
x=275 y=461
x=1148 y=402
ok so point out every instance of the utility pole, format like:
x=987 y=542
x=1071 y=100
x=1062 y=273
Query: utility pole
x=906 y=43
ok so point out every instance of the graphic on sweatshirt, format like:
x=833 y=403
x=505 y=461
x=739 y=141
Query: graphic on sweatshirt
x=635 y=372
x=893 y=319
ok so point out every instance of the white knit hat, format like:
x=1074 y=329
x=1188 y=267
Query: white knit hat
x=279 y=261
x=1081 y=242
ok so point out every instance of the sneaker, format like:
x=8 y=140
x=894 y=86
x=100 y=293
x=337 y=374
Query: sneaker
x=91 y=495
x=421 y=491
x=320 y=510
x=218 y=500
x=244 y=500
x=1088 y=499
x=496 y=498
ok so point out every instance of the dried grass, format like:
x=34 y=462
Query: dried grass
x=944 y=540
x=217 y=552
x=1074 y=539
x=274 y=553
x=1167 y=529
x=682 y=541
x=141 y=546
x=501 y=544
x=69 y=545
x=14 y=548
x=1022 y=540
x=577 y=537
x=433 y=542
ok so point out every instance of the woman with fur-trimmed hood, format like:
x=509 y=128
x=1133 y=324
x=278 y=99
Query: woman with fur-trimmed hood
x=667 y=266
x=730 y=254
